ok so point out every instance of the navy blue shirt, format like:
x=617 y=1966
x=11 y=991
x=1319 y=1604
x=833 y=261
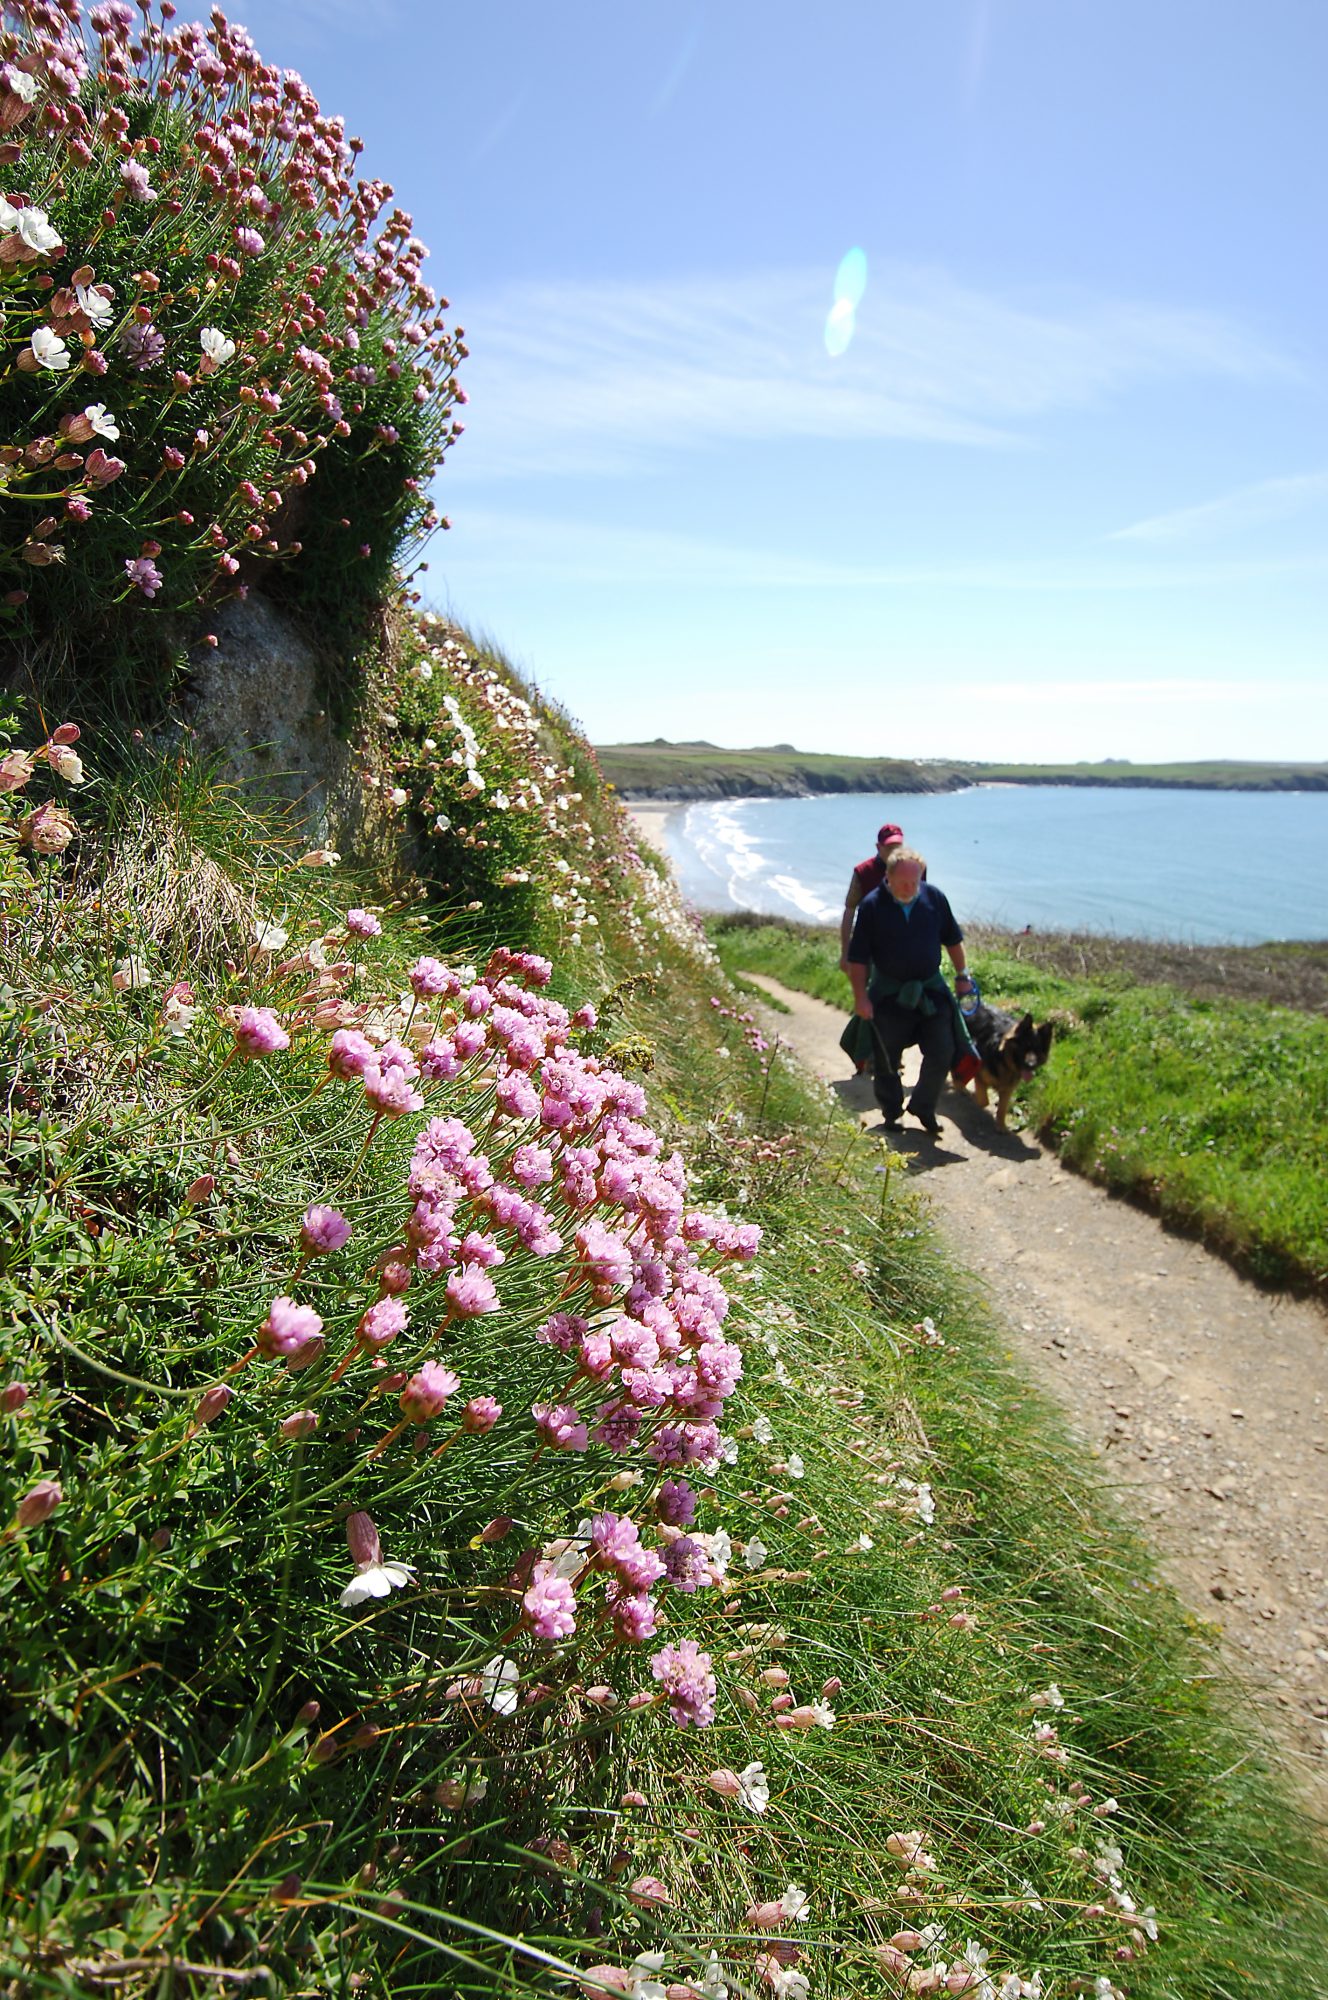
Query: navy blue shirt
x=903 y=944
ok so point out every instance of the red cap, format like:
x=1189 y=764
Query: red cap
x=892 y=835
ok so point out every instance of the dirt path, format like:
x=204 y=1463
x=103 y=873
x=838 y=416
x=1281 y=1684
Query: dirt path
x=1206 y=1398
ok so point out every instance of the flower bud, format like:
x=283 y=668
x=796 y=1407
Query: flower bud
x=40 y=1503
x=212 y=1402
x=13 y=1396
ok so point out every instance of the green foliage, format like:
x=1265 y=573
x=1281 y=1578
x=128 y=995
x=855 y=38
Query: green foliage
x=221 y=364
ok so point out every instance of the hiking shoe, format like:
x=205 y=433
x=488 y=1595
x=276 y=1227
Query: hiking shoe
x=929 y=1122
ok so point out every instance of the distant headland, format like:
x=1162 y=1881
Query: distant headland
x=663 y=770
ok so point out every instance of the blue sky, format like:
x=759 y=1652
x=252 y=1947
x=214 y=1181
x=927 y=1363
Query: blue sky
x=1064 y=493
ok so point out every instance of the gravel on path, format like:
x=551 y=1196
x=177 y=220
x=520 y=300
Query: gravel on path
x=1203 y=1397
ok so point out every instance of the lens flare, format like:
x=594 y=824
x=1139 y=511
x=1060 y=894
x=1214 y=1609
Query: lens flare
x=850 y=284
x=839 y=325
x=851 y=277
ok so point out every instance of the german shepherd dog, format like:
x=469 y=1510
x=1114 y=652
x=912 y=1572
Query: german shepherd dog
x=1012 y=1053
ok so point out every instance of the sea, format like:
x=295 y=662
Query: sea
x=1194 y=867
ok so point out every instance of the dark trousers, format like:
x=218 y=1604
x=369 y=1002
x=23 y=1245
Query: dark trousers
x=900 y=1028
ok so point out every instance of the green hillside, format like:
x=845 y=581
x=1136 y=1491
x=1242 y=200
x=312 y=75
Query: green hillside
x=702 y=770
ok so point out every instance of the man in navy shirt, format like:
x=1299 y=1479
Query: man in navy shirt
x=897 y=938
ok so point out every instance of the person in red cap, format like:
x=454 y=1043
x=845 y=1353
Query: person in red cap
x=868 y=875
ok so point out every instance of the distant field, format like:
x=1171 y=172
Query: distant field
x=703 y=770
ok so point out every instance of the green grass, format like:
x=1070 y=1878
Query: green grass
x=167 y=1800
x=1211 y=1110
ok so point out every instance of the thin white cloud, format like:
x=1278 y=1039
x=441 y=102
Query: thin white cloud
x=497 y=544
x=1233 y=513
x=611 y=377
x=677 y=70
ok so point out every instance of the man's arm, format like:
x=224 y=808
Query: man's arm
x=851 y=901
x=862 y=1006
x=957 y=959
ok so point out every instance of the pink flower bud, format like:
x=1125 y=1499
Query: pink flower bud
x=366 y=1551
x=200 y=1189
x=780 y=1703
x=832 y=1687
x=497 y=1529
x=300 y=1424
x=13 y=1396
x=633 y=1798
x=775 y=1677
x=40 y=1503
x=212 y=1402
x=480 y=1414
x=726 y=1783
x=648 y=1892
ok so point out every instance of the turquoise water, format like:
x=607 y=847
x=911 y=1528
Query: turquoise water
x=1198 y=867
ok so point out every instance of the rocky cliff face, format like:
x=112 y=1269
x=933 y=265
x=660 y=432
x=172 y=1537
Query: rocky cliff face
x=253 y=701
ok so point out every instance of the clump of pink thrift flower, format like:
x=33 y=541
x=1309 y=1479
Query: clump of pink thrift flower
x=258 y=1032
x=363 y=924
x=426 y=1393
x=287 y=1328
x=323 y=1230
x=480 y=1414
x=683 y=1671
x=550 y=1608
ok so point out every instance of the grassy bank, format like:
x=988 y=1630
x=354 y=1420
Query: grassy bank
x=219 y=1763
x=1162 y=1086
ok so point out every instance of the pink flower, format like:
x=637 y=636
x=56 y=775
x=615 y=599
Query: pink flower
x=13 y=1396
x=648 y=1892
x=143 y=572
x=258 y=1032
x=480 y=1414
x=675 y=1503
x=389 y=1091
x=550 y=1608
x=250 y=241
x=683 y=1671
x=287 y=1327
x=439 y=1060
x=300 y=1424
x=559 y=1426
x=429 y=978
x=426 y=1393
x=634 y=1616
x=323 y=1230
x=361 y=923
x=471 y=1292
x=381 y=1324
x=349 y=1053
x=39 y=1503
x=48 y=830
x=374 y=1577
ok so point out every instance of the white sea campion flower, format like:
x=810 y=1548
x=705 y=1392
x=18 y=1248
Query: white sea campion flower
x=753 y=1788
x=130 y=974
x=269 y=936
x=94 y=305
x=795 y=1467
x=103 y=423
x=217 y=349
x=35 y=229
x=862 y=1546
x=499 y=1683
x=796 y=1903
x=49 y=350
x=756 y=1553
x=20 y=83
x=763 y=1431
x=374 y=1577
x=1050 y=1697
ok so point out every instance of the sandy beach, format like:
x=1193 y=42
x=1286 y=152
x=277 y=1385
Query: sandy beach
x=651 y=817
